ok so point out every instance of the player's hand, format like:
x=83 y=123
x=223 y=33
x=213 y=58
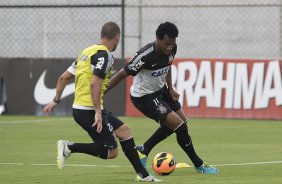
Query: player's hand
x=98 y=121
x=174 y=95
x=48 y=108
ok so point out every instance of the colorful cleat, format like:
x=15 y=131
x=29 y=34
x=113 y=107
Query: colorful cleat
x=147 y=179
x=207 y=169
x=63 y=153
x=143 y=158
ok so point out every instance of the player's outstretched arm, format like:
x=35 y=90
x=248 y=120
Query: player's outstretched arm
x=116 y=79
x=63 y=80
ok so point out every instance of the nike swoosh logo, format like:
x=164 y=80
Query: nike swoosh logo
x=44 y=95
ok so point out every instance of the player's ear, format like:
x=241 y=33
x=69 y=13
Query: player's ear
x=117 y=38
x=158 y=40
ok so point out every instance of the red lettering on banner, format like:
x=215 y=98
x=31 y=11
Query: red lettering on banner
x=226 y=88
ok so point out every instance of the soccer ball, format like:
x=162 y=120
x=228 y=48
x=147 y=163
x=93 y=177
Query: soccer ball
x=163 y=163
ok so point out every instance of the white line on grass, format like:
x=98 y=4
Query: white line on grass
x=69 y=165
x=42 y=120
x=34 y=120
x=115 y=166
x=254 y=163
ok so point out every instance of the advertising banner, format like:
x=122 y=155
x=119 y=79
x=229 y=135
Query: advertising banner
x=30 y=84
x=225 y=88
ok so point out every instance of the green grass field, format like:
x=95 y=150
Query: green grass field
x=245 y=151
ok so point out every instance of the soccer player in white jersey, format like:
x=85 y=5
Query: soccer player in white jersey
x=152 y=93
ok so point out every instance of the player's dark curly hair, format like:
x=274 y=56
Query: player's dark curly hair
x=168 y=29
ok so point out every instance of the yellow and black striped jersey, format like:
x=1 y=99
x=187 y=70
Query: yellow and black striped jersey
x=94 y=60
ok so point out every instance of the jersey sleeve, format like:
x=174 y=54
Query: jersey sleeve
x=135 y=64
x=72 y=68
x=99 y=62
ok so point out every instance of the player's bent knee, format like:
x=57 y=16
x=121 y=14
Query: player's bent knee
x=123 y=132
x=113 y=153
x=173 y=121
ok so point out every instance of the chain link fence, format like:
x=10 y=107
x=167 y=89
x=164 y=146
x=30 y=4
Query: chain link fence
x=53 y=29
x=207 y=28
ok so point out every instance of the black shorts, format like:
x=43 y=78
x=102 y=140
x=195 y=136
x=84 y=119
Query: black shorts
x=156 y=105
x=85 y=118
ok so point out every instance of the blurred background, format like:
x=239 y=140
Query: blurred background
x=41 y=38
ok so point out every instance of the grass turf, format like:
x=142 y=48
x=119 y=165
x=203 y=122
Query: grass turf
x=28 y=152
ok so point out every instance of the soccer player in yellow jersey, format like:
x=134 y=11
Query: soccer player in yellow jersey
x=92 y=71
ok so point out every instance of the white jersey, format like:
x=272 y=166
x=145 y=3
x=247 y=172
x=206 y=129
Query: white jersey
x=149 y=70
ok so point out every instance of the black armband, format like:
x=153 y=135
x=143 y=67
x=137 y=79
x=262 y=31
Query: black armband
x=56 y=101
